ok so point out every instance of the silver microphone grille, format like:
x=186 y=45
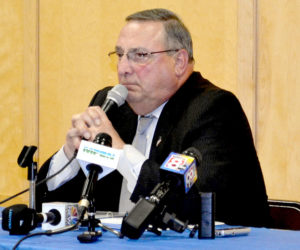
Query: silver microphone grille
x=118 y=94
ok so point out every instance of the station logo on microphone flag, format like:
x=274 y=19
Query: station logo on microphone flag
x=181 y=165
x=106 y=157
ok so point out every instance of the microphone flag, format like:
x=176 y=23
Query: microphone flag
x=182 y=166
x=106 y=157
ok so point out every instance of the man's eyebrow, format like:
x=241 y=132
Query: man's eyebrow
x=118 y=48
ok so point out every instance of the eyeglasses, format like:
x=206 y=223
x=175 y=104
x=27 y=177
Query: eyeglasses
x=136 y=55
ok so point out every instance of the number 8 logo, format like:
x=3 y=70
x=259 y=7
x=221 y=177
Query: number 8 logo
x=176 y=162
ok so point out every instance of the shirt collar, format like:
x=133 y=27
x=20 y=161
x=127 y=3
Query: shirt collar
x=156 y=113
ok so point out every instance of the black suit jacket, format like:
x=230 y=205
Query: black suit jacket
x=199 y=115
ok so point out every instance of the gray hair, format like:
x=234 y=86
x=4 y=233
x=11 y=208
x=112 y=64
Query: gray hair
x=177 y=35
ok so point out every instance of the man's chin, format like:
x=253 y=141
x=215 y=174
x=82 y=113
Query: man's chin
x=134 y=98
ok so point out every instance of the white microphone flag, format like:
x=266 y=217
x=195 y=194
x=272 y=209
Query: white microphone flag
x=106 y=157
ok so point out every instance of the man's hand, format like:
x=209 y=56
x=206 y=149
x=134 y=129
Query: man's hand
x=86 y=126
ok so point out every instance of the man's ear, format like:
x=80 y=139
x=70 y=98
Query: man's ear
x=181 y=62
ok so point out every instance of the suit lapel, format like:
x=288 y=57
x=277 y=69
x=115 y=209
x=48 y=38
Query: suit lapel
x=173 y=113
x=168 y=119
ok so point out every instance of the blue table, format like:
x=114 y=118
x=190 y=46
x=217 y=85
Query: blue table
x=259 y=238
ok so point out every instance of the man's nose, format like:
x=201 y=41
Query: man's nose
x=124 y=65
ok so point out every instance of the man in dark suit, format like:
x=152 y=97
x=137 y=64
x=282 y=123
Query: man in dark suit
x=155 y=63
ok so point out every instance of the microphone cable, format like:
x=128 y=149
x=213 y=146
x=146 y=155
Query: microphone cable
x=42 y=181
x=26 y=237
x=52 y=232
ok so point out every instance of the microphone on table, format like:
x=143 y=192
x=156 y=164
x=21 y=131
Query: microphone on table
x=20 y=219
x=94 y=171
x=179 y=173
x=87 y=196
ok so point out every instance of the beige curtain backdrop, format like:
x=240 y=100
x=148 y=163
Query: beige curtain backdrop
x=53 y=58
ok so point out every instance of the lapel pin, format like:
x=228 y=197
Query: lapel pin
x=158 y=141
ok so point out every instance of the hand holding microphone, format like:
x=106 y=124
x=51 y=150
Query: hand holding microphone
x=94 y=120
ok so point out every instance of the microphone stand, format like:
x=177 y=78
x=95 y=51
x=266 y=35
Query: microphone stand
x=32 y=180
x=91 y=235
x=106 y=228
x=88 y=197
x=25 y=159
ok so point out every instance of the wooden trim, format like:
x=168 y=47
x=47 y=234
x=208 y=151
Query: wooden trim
x=247 y=60
x=31 y=73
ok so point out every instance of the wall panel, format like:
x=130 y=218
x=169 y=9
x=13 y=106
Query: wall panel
x=278 y=97
x=18 y=105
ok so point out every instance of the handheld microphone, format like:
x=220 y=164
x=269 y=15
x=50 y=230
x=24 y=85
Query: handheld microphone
x=115 y=98
x=87 y=153
x=179 y=173
x=94 y=171
x=19 y=219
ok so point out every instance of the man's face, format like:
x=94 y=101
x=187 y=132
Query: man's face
x=151 y=83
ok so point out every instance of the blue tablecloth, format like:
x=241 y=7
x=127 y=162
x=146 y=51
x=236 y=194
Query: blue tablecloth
x=259 y=238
